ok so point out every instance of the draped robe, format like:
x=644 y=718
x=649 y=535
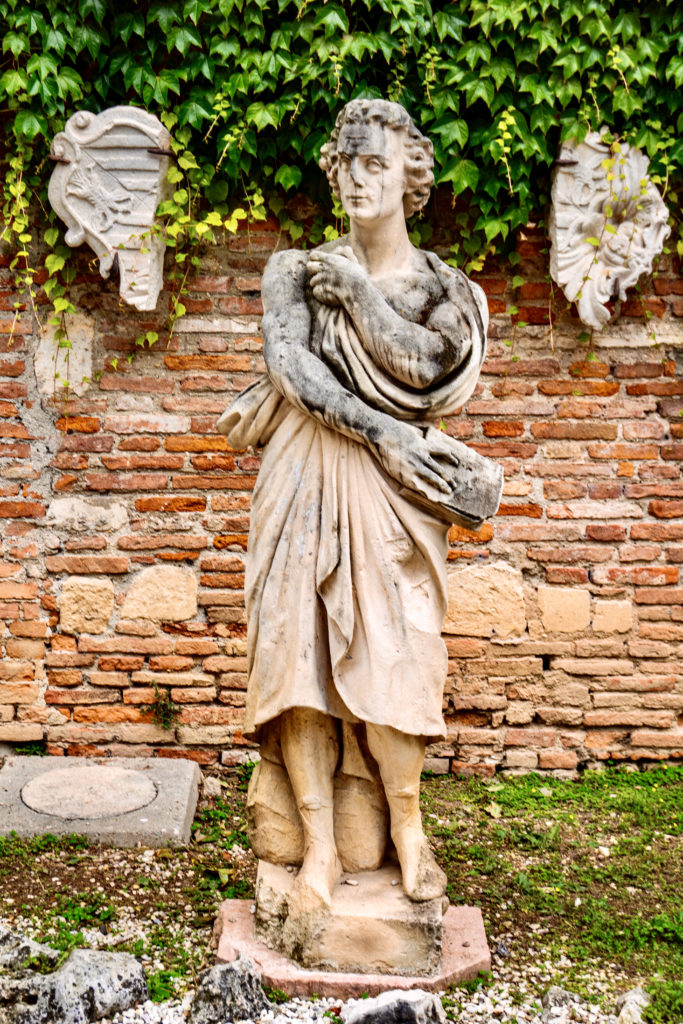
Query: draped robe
x=346 y=571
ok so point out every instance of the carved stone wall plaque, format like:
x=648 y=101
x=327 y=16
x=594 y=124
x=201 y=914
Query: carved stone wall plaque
x=107 y=184
x=605 y=232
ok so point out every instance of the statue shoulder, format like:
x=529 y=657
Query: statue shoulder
x=284 y=277
x=457 y=285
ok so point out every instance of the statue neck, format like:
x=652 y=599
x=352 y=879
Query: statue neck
x=382 y=246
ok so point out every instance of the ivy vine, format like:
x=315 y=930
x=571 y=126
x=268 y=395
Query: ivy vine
x=250 y=89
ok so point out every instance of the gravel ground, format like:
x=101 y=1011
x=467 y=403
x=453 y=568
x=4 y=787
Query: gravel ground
x=513 y=996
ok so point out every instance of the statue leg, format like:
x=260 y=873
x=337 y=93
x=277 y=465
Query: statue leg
x=310 y=749
x=400 y=758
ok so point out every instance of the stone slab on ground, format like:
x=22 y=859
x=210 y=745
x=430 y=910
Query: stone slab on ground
x=464 y=953
x=114 y=800
x=370 y=927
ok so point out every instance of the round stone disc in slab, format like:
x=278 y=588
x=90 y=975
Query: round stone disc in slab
x=88 y=791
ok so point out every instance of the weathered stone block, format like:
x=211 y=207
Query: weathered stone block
x=372 y=927
x=57 y=367
x=165 y=593
x=486 y=601
x=612 y=616
x=86 y=604
x=564 y=609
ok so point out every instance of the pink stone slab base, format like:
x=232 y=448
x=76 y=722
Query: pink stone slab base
x=465 y=952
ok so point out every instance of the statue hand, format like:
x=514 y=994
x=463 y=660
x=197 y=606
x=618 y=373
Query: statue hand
x=333 y=277
x=421 y=463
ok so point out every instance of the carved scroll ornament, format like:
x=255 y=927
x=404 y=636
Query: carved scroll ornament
x=110 y=177
x=607 y=224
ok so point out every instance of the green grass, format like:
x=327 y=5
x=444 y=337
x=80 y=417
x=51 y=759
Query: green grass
x=595 y=865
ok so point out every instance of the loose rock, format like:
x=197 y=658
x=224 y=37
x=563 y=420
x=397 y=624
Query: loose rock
x=16 y=949
x=631 y=1005
x=228 y=992
x=89 y=986
x=395 y=1007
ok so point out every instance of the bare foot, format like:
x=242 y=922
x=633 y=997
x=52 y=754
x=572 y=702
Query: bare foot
x=423 y=879
x=320 y=872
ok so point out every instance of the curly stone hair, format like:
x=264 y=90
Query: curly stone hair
x=419 y=152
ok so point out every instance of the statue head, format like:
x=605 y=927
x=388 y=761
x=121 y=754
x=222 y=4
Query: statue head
x=363 y=120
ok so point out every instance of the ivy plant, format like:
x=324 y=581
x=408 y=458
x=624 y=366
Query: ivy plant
x=250 y=90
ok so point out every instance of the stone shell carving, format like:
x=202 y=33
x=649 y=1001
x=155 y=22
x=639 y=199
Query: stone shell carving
x=625 y=215
x=109 y=179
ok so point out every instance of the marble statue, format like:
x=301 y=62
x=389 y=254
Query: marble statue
x=367 y=341
x=110 y=176
x=607 y=224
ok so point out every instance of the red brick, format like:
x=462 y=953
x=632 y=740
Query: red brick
x=86 y=544
x=566 y=574
x=148 y=542
x=666 y=509
x=210 y=283
x=563 y=490
x=461 y=535
x=498 y=428
x=170 y=663
x=659 y=595
x=623 y=451
x=531 y=315
x=503 y=450
x=187 y=443
x=78 y=424
x=139 y=444
x=535 y=290
x=221 y=483
x=17 y=430
x=657 y=531
x=86 y=564
x=530 y=509
x=231 y=540
x=132 y=462
x=554 y=759
x=673 y=452
x=638 y=307
x=589 y=368
x=113 y=713
x=651 y=575
x=22 y=509
x=170 y=503
x=131 y=382
x=530 y=737
x=231 y=363
x=522 y=367
x=602 y=388
x=125 y=481
x=120 y=663
x=82 y=443
x=579 y=553
x=660 y=388
x=575 y=431
x=210 y=462
x=84 y=695
x=12 y=368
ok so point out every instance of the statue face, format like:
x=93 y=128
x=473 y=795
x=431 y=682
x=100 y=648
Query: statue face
x=371 y=171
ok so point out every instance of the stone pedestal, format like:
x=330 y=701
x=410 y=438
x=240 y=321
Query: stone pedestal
x=372 y=926
x=464 y=953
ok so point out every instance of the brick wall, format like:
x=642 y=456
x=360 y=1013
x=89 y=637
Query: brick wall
x=131 y=475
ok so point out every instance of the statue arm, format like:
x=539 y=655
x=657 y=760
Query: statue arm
x=420 y=356
x=308 y=384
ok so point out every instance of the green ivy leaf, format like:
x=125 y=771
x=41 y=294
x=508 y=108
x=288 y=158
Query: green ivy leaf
x=462 y=174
